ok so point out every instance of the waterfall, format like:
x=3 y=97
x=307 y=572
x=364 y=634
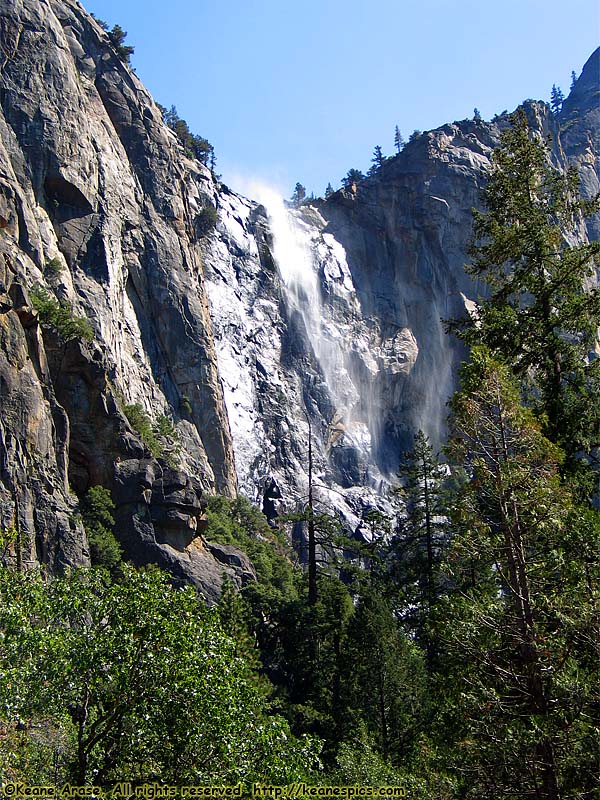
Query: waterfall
x=301 y=252
x=294 y=253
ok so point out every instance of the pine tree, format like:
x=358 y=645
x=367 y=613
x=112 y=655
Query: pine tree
x=476 y=115
x=234 y=616
x=377 y=161
x=117 y=38
x=309 y=648
x=556 y=99
x=398 y=140
x=521 y=623
x=101 y=22
x=540 y=315
x=298 y=195
x=170 y=116
x=328 y=190
x=378 y=157
x=384 y=679
x=353 y=176
x=195 y=146
x=420 y=538
x=573 y=80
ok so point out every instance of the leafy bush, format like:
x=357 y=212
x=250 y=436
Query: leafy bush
x=53 y=267
x=59 y=315
x=168 y=439
x=130 y=679
x=206 y=220
x=185 y=406
x=8 y=538
x=239 y=523
x=97 y=507
x=161 y=437
x=141 y=423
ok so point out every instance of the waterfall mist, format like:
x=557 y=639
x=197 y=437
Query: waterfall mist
x=295 y=257
x=319 y=289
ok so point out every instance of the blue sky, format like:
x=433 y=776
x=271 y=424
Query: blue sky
x=303 y=91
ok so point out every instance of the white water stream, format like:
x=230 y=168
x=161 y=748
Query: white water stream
x=293 y=252
x=295 y=249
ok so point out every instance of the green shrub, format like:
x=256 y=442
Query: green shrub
x=59 y=315
x=168 y=439
x=53 y=267
x=8 y=538
x=97 y=509
x=160 y=437
x=206 y=220
x=238 y=522
x=185 y=405
x=141 y=423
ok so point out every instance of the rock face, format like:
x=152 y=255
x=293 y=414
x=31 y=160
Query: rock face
x=94 y=179
x=160 y=519
x=275 y=331
x=580 y=132
x=99 y=204
x=333 y=317
x=35 y=503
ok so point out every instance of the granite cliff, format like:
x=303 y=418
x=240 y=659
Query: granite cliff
x=242 y=336
x=99 y=204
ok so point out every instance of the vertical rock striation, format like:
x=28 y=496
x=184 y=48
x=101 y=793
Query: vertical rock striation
x=99 y=204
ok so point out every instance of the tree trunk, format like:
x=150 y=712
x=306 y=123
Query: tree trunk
x=312 y=545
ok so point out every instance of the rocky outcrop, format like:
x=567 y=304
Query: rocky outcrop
x=38 y=517
x=160 y=520
x=579 y=121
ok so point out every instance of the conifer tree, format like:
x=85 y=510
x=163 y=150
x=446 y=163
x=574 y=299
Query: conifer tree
x=328 y=190
x=573 y=80
x=521 y=622
x=298 y=195
x=353 y=176
x=398 y=140
x=556 y=99
x=541 y=315
x=195 y=146
x=377 y=161
x=420 y=538
x=233 y=614
x=117 y=38
x=378 y=157
x=384 y=679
